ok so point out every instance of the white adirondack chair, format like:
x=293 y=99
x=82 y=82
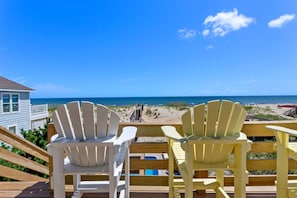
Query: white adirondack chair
x=211 y=140
x=87 y=135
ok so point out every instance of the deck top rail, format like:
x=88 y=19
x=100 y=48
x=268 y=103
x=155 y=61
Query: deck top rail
x=36 y=109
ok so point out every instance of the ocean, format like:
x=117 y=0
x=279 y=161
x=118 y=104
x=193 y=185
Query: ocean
x=189 y=100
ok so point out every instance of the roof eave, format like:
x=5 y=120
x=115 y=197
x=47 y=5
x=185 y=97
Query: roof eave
x=15 y=90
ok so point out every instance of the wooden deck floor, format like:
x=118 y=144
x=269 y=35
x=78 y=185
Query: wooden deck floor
x=41 y=190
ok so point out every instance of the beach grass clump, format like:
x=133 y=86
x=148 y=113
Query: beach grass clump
x=262 y=116
x=248 y=108
x=120 y=109
x=178 y=105
x=152 y=113
x=51 y=110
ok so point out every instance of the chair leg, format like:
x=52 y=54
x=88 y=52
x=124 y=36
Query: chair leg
x=127 y=173
x=171 y=172
x=189 y=176
x=58 y=173
x=282 y=171
x=76 y=181
x=240 y=171
x=220 y=177
x=113 y=176
x=189 y=187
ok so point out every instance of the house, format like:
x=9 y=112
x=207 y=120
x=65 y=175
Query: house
x=16 y=111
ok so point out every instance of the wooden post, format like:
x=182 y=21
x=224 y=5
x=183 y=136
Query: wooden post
x=50 y=132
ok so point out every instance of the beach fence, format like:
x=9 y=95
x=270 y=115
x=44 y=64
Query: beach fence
x=137 y=113
x=291 y=112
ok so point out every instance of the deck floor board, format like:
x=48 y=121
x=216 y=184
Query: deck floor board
x=42 y=190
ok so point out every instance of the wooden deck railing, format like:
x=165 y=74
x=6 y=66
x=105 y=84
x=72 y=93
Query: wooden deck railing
x=151 y=142
x=34 y=171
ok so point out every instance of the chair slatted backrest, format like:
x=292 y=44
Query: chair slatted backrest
x=87 y=121
x=215 y=120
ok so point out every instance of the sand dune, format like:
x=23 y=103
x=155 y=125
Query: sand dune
x=166 y=114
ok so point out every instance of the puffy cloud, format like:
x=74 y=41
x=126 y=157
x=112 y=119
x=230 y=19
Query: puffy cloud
x=225 y=22
x=186 y=33
x=279 y=22
x=205 y=32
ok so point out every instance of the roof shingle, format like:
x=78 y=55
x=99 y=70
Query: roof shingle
x=6 y=84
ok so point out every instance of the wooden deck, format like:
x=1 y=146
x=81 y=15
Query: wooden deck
x=42 y=190
x=142 y=186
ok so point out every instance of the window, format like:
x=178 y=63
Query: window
x=15 y=102
x=10 y=103
x=12 y=129
x=6 y=102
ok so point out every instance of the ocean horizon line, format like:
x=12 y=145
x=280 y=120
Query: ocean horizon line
x=167 y=100
x=162 y=96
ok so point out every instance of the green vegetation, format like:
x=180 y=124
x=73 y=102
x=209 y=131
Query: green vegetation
x=120 y=109
x=262 y=116
x=248 y=108
x=263 y=113
x=36 y=136
x=51 y=110
x=179 y=105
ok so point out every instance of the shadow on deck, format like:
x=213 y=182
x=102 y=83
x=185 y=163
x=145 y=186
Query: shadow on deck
x=42 y=190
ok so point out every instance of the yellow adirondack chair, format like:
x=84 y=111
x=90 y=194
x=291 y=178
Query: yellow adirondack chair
x=285 y=150
x=210 y=140
x=87 y=134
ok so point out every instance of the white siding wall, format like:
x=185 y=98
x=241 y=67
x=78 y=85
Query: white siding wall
x=35 y=124
x=20 y=119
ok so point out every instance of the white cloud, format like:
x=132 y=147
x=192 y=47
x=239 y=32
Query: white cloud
x=20 y=80
x=279 y=22
x=52 y=88
x=209 y=47
x=225 y=22
x=205 y=32
x=187 y=33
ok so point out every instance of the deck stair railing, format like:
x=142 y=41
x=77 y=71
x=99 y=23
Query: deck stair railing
x=18 y=159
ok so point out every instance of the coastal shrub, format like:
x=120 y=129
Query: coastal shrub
x=36 y=136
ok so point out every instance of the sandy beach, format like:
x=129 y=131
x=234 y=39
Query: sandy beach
x=168 y=114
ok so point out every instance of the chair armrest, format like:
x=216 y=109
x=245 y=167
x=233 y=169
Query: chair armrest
x=282 y=129
x=128 y=134
x=62 y=142
x=54 y=137
x=170 y=132
x=240 y=138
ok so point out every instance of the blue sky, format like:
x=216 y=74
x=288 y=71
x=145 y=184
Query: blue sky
x=150 y=47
